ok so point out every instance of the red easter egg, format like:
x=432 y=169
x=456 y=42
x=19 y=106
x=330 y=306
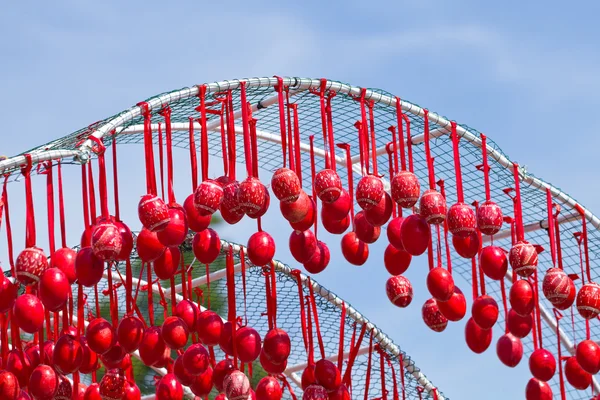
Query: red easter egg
x=112 y=385
x=261 y=248
x=315 y=392
x=269 y=366
x=509 y=349
x=68 y=354
x=285 y=185
x=189 y=312
x=32 y=351
x=248 y=344
x=558 y=288
x=231 y=211
x=334 y=226
x=575 y=375
x=477 y=339
x=130 y=333
x=167 y=263
x=226 y=339
x=381 y=213
x=489 y=218
x=467 y=246
x=461 y=220
x=268 y=388
x=223 y=368
x=521 y=297
x=485 y=311
x=195 y=220
x=296 y=211
x=209 y=327
x=169 y=388
x=455 y=308
x=309 y=219
x=355 y=251
x=399 y=290
x=149 y=248
x=43 y=383
x=338 y=209
x=369 y=192
x=308 y=376
x=538 y=390
x=88 y=267
x=588 y=356
x=65 y=390
x=54 y=289
x=202 y=384
x=542 y=364
x=341 y=393
x=107 y=241
x=152 y=346
x=126 y=241
x=153 y=213
x=175 y=332
x=89 y=361
x=328 y=375
x=302 y=245
x=415 y=234
x=48 y=353
x=523 y=258
x=433 y=317
x=319 y=260
x=588 y=300
x=208 y=197
x=432 y=207
x=30 y=265
x=9 y=386
x=132 y=391
x=100 y=335
x=28 y=313
x=19 y=364
x=405 y=189
x=196 y=359
x=518 y=325
x=396 y=261
x=116 y=357
x=364 y=230
x=236 y=385
x=394 y=232
x=206 y=246
x=182 y=375
x=277 y=345
x=440 y=284
x=252 y=196
x=8 y=294
x=493 y=262
x=328 y=185
x=64 y=259
x=176 y=230
x=92 y=392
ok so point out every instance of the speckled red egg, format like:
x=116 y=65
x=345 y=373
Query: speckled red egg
x=433 y=317
x=399 y=290
x=30 y=265
x=588 y=300
x=489 y=218
x=208 y=197
x=153 y=213
x=432 y=207
x=523 y=258
x=328 y=185
x=252 y=196
x=405 y=189
x=285 y=185
x=461 y=220
x=369 y=192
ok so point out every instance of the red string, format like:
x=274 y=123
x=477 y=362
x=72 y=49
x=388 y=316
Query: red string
x=382 y=371
x=246 y=129
x=368 y=378
x=268 y=299
x=4 y=337
x=287 y=386
x=231 y=304
x=401 y=360
x=551 y=226
x=30 y=214
x=408 y=143
x=353 y=353
x=296 y=274
x=399 y=118
x=254 y=142
x=243 y=265
x=8 y=227
x=332 y=163
x=536 y=298
x=297 y=142
x=224 y=138
x=504 y=304
x=84 y=193
x=474 y=278
x=428 y=150
x=518 y=209
x=321 y=95
x=486 y=167
x=61 y=208
x=102 y=184
x=585 y=241
x=341 y=341
x=203 y=132
x=312 y=180
x=279 y=88
x=373 y=143
x=193 y=159
x=558 y=317
x=346 y=147
x=150 y=295
x=316 y=317
x=557 y=237
x=92 y=193
x=160 y=161
x=309 y=333
x=166 y=113
x=289 y=131
x=50 y=204
x=231 y=136
x=392 y=157
x=149 y=152
x=362 y=126
x=457 y=171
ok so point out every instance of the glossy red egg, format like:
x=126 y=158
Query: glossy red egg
x=576 y=376
x=202 y=384
x=477 y=339
x=521 y=297
x=9 y=386
x=315 y=392
x=308 y=376
x=261 y=248
x=364 y=230
x=399 y=291
x=196 y=221
x=248 y=344
x=149 y=248
x=338 y=209
x=130 y=333
x=268 y=388
x=30 y=264
x=209 y=327
x=509 y=349
x=285 y=185
x=461 y=220
x=369 y=192
x=223 y=368
x=43 y=383
x=558 y=288
x=19 y=364
x=231 y=210
x=189 y=312
x=54 y=289
x=327 y=375
x=269 y=366
x=196 y=359
x=208 y=197
x=167 y=263
x=175 y=332
x=588 y=356
x=277 y=345
x=396 y=261
x=440 y=284
x=236 y=385
x=206 y=246
x=489 y=218
x=328 y=185
x=538 y=390
x=485 y=311
x=89 y=361
x=113 y=385
x=100 y=335
x=68 y=354
x=176 y=230
x=415 y=233
x=169 y=388
x=107 y=241
x=523 y=258
x=467 y=246
x=336 y=227
x=64 y=259
x=88 y=267
x=309 y=218
x=493 y=262
x=355 y=251
x=8 y=293
x=433 y=317
x=380 y=214
x=153 y=213
x=341 y=393
x=394 y=233
x=542 y=364
x=28 y=312
x=518 y=325
x=432 y=207
x=302 y=245
x=152 y=347
x=405 y=189
x=252 y=196
x=455 y=308
x=298 y=210
x=319 y=260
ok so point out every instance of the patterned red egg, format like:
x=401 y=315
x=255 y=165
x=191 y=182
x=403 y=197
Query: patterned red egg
x=65 y=390
x=68 y=354
x=319 y=260
x=558 y=288
x=169 y=388
x=196 y=222
x=315 y=392
x=277 y=345
x=468 y=246
x=588 y=356
x=107 y=241
x=518 y=325
x=338 y=209
x=64 y=259
x=231 y=211
x=354 y=250
x=43 y=383
x=542 y=364
x=369 y=192
x=333 y=226
x=202 y=384
x=538 y=390
x=455 y=308
x=493 y=262
x=296 y=211
x=432 y=316
x=328 y=185
x=149 y=248
x=302 y=245
x=30 y=265
x=196 y=359
x=523 y=258
x=131 y=331
x=112 y=385
x=396 y=261
x=28 y=313
x=206 y=246
x=399 y=290
x=175 y=332
x=461 y=220
x=268 y=388
x=208 y=197
x=381 y=213
x=489 y=218
x=9 y=386
x=576 y=376
x=415 y=234
x=252 y=196
x=364 y=230
x=405 y=189
x=432 y=207
x=521 y=297
x=588 y=300
x=509 y=349
x=261 y=248
x=236 y=386
x=176 y=231
x=440 y=284
x=477 y=339
x=485 y=311
x=286 y=185
x=153 y=213
x=168 y=262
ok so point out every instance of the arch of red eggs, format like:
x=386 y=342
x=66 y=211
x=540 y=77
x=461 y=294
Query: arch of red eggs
x=165 y=228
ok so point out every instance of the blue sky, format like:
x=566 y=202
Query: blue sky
x=525 y=73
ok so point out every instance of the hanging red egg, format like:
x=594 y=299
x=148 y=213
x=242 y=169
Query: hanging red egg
x=209 y=327
x=364 y=230
x=130 y=333
x=132 y=391
x=485 y=311
x=440 y=284
x=261 y=248
x=521 y=297
x=222 y=369
x=68 y=354
x=588 y=300
x=468 y=246
x=542 y=364
x=236 y=385
x=152 y=346
x=509 y=349
x=369 y=192
x=396 y=261
x=43 y=382
x=380 y=214
x=112 y=385
x=315 y=392
x=302 y=245
x=309 y=219
x=269 y=366
x=394 y=234
x=116 y=357
x=89 y=362
x=328 y=375
x=277 y=345
x=169 y=388
x=64 y=259
x=319 y=259
x=355 y=251
x=334 y=226
x=523 y=258
x=188 y=311
x=202 y=384
x=92 y=392
x=588 y=356
x=183 y=376
x=341 y=393
x=168 y=262
x=48 y=352
x=538 y=390
x=54 y=289
x=208 y=197
x=477 y=339
x=455 y=308
x=399 y=290
x=28 y=312
x=432 y=207
x=8 y=294
x=338 y=209
x=149 y=248
x=100 y=335
x=153 y=213
x=248 y=344
x=107 y=241
x=32 y=352
x=30 y=265
x=296 y=211
x=308 y=376
x=231 y=211
x=405 y=189
x=196 y=359
x=226 y=339
x=195 y=220
x=575 y=375
x=18 y=363
x=558 y=288
x=461 y=220
x=176 y=231
x=415 y=234
x=206 y=246
x=328 y=185
x=432 y=316
x=88 y=267
x=285 y=185
x=489 y=218
x=252 y=196
x=9 y=386
x=126 y=241
x=493 y=262
x=175 y=332
x=268 y=388
x=518 y=325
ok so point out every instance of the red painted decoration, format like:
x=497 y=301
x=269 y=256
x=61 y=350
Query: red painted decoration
x=369 y=192
x=43 y=382
x=236 y=385
x=338 y=209
x=558 y=288
x=252 y=197
x=440 y=284
x=112 y=385
x=405 y=189
x=268 y=388
x=153 y=213
x=64 y=259
x=175 y=332
x=433 y=317
x=509 y=349
x=399 y=290
x=68 y=354
x=176 y=231
x=380 y=214
x=523 y=258
x=30 y=264
x=100 y=335
x=285 y=185
x=189 y=312
x=297 y=211
x=195 y=220
x=222 y=369
x=208 y=197
x=489 y=218
x=319 y=259
x=196 y=359
x=169 y=388
x=327 y=375
x=328 y=185
x=202 y=384
x=152 y=346
x=588 y=300
x=364 y=230
x=477 y=339
x=107 y=241
x=302 y=245
x=432 y=207
x=461 y=220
